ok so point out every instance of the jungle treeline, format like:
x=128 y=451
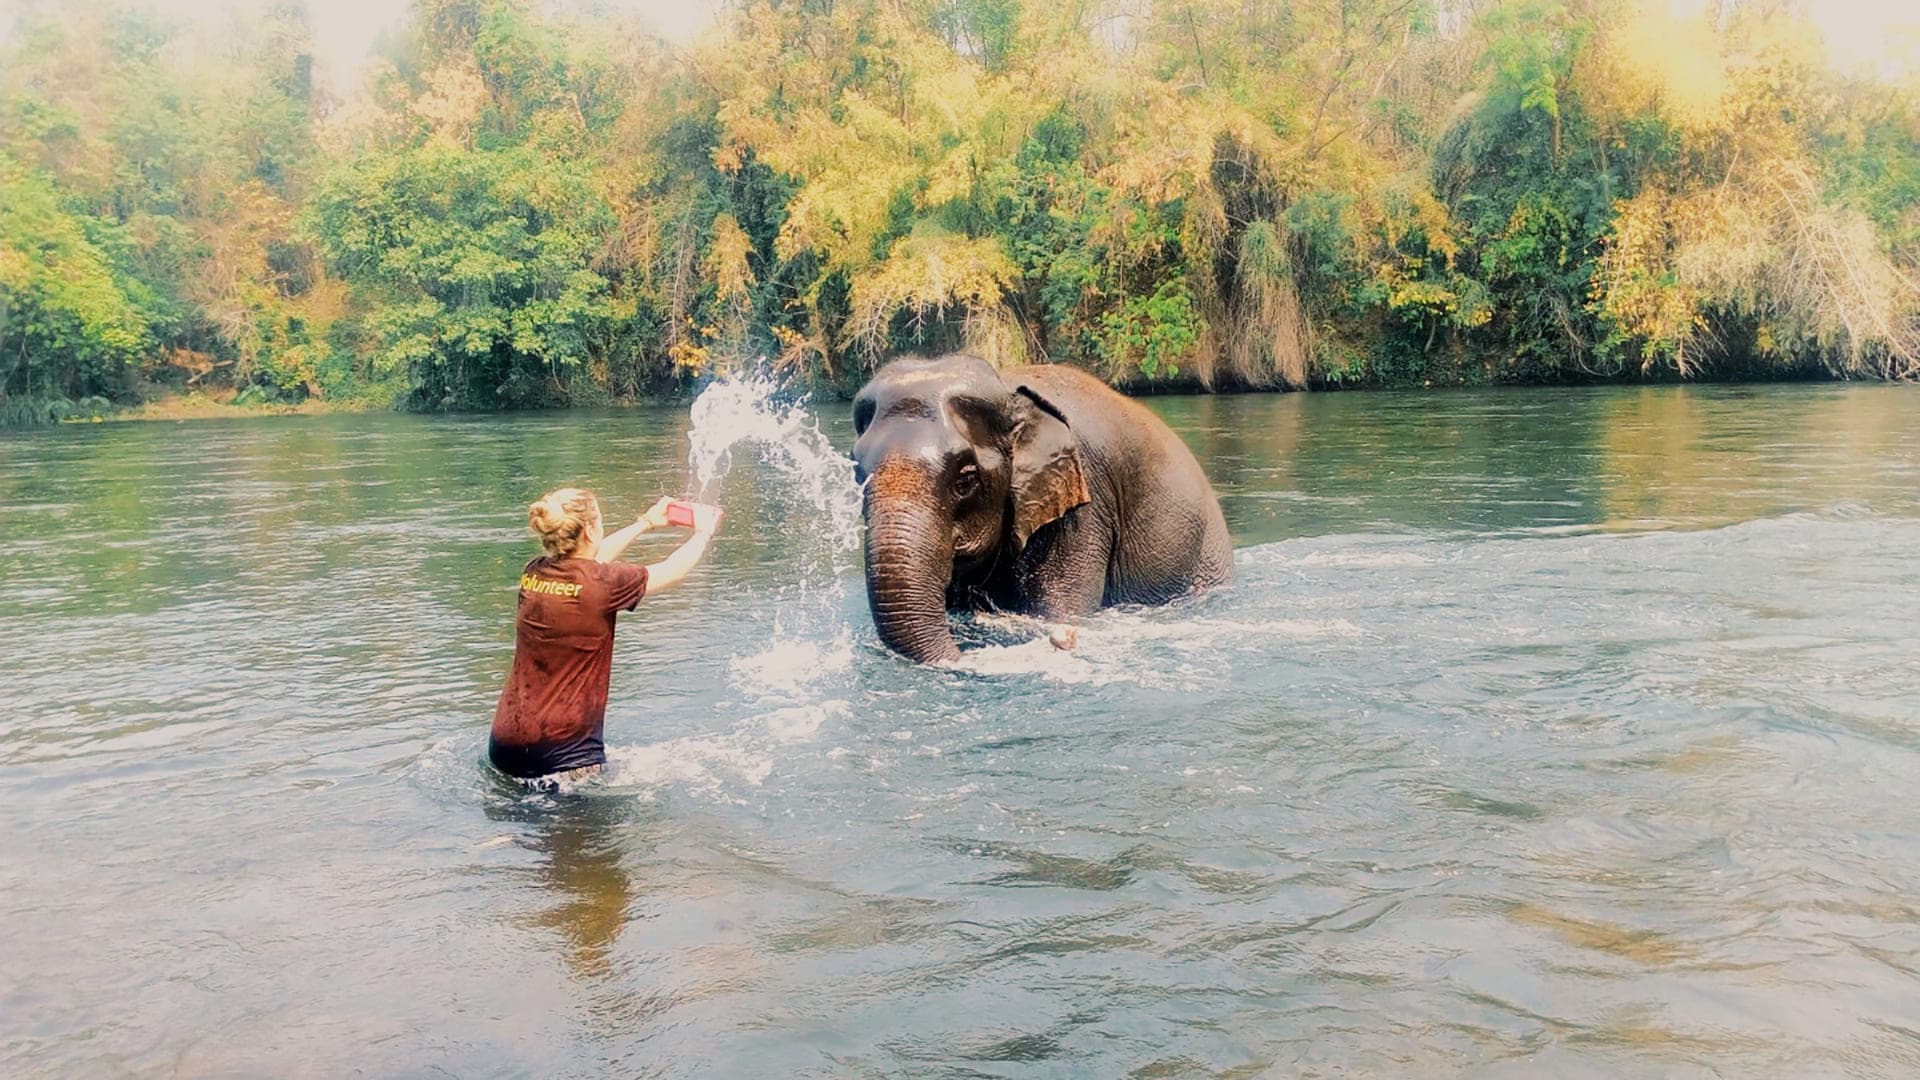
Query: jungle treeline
x=525 y=204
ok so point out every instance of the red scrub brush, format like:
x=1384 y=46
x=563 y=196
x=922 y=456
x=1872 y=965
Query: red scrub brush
x=682 y=513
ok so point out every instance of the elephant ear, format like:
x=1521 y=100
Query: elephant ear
x=1047 y=478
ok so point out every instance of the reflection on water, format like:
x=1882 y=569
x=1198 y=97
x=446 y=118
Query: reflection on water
x=1541 y=733
x=583 y=841
x=1627 y=459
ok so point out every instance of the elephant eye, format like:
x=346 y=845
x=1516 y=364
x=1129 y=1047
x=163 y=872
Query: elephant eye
x=967 y=481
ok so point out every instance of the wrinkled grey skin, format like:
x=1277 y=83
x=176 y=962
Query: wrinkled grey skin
x=1037 y=490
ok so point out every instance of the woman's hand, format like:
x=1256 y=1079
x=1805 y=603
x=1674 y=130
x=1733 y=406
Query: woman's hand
x=656 y=516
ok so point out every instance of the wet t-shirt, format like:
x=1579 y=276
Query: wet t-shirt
x=554 y=705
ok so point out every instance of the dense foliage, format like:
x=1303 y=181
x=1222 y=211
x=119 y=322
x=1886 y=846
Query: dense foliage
x=523 y=205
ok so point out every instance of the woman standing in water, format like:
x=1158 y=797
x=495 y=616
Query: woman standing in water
x=554 y=705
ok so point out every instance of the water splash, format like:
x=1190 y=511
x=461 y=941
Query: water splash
x=816 y=495
x=733 y=412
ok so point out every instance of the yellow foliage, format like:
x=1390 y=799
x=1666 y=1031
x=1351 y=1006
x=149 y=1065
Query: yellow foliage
x=923 y=275
x=1633 y=287
x=635 y=241
x=1765 y=245
x=729 y=157
x=454 y=99
x=727 y=258
x=689 y=352
x=852 y=170
x=13 y=268
x=996 y=336
x=798 y=350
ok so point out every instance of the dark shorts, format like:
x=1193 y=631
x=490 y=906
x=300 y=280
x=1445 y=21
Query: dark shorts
x=535 y=760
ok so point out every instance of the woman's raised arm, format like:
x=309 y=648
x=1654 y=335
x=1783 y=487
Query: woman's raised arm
x=615 y=545
x=673 y=569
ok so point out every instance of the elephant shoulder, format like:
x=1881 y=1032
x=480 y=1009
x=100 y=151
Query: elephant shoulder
x=1087 y=400
x=1077 y=394
x=1056 y=377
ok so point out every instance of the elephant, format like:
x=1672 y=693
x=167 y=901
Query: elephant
x=1038 y=490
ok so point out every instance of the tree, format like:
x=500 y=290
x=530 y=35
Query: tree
x=61 y=299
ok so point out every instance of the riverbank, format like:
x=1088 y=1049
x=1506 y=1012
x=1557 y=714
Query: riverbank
x=41 y=412
x=202 y=407
x=226 y=404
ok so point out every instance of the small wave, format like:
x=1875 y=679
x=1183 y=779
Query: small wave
x=1040 y=658
x=1361 y=560
x=713 y=765
x=719 y=766
x=1146 y=626
x=452 y=765
x=789 y=666
x=1353 y=550
x=1133 y=647
x=801 y=723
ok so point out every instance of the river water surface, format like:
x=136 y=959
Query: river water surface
x=1540 y=734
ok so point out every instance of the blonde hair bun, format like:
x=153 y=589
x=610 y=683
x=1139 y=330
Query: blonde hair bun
x=561 y=518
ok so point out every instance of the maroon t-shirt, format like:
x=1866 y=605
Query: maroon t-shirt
x=554 y=705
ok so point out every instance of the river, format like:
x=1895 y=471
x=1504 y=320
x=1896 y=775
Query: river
x=1541 y=733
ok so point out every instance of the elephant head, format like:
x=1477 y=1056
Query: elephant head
x=959 y=470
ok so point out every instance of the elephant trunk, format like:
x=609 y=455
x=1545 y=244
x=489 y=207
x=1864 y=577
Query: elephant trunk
x=909 y=563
